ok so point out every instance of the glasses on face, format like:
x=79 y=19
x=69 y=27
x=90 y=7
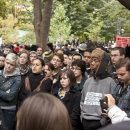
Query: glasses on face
x=75 y=68
x=94 y=60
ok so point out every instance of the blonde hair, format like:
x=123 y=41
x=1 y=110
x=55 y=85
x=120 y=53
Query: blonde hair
x=12 y=57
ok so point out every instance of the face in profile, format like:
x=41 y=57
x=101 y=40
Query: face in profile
x=2 y=61
x=123 y=75
x=48 y=71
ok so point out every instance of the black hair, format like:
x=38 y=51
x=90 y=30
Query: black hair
x=81 y=64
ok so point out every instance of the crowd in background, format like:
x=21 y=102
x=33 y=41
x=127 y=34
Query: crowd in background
x=79 y=75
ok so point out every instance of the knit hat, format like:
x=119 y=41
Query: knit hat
x=104 y=58
x=82 y=47
x=97 y=53
x=47 y=56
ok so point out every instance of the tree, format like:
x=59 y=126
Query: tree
x=42 y=18
x=60 y=27
x=3 y=9
x=126 y=3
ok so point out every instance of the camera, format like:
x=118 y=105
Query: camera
x=104 y=104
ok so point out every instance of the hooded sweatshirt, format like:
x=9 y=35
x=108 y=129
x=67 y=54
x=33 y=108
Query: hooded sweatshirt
x=95 y=87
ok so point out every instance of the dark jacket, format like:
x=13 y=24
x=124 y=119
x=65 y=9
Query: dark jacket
x=9 y=88
x=46 y=85
x=122 y=96
x=79 y=86
x=34 y=81
x=72 y=103
x=56 y=84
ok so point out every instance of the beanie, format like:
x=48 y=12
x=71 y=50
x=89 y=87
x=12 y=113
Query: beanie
x=97 y=54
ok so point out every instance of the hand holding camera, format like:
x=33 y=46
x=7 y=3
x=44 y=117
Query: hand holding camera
x=104 y=104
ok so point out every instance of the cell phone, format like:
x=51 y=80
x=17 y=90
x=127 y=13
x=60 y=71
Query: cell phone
x=104 y=104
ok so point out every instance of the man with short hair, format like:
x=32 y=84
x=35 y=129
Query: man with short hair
x=76 y=56
x=7 y=49
x=117 y=53
x=122 y=92
x=87 y=59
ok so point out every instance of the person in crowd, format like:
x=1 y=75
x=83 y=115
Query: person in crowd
x=94 y=89
x=70 y=97
x=66 y=49
x=119 y=118
x=24 y=67
x=60 y=51
x=46 y=83
x=114 y=112
x=7 y=49
x=66 y=63
x=76 y=56
x=42 y=111
x=33 y=56
x=39 y=52
x=57 y=61
x=116 y=53
x=122 y=92
x=24 y=62
x=33 y=79
x=79 y=69
x=82 y=48
x=87 y=59
x=2 y=61
x=48 y=54
x=10 y=83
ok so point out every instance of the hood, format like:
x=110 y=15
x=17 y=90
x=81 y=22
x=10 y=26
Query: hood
x=102 y=71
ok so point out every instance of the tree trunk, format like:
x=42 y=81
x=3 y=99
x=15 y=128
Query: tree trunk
x=37 y=20
x=45 y=26
x=126 y=3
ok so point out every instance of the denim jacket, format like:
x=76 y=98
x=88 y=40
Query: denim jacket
x=123 y=99
x=9 y=88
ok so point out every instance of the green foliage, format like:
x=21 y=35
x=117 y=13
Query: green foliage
x=60 y=26
x=3 y=9
x=98 y=20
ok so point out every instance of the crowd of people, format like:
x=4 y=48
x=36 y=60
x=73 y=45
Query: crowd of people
x=62 y=87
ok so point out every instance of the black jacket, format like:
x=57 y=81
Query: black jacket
x=72 y=103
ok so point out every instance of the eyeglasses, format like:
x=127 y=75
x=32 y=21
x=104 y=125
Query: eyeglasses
x=94 y=60
x=75 y=68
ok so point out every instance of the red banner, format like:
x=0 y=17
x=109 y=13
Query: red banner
x=122 y=41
